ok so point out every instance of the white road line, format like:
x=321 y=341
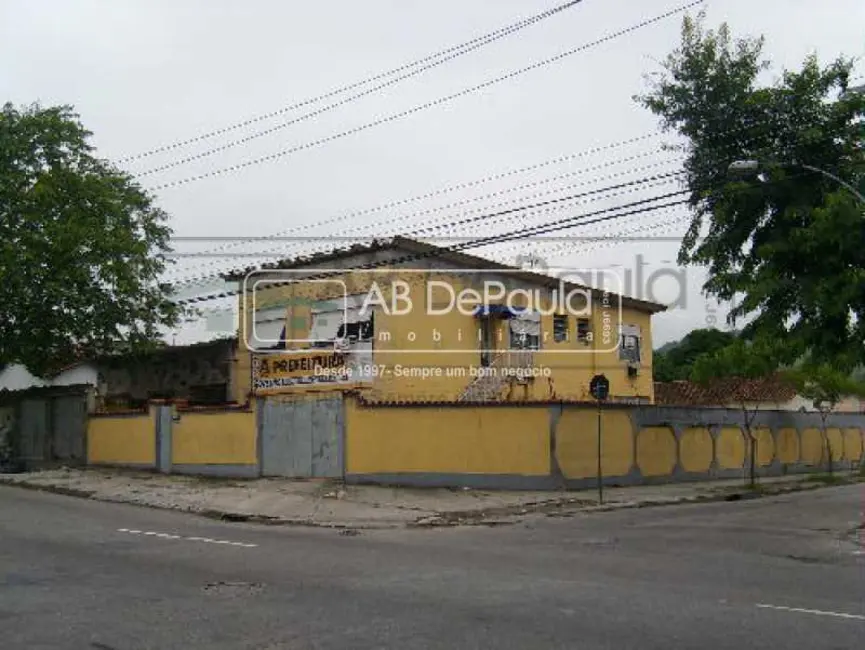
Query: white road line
x=205 y=540
x=816 y=612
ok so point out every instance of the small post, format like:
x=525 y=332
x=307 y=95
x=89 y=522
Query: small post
x=599 y=388
x=600 y=470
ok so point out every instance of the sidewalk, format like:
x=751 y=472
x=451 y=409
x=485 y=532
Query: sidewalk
x=329 y=503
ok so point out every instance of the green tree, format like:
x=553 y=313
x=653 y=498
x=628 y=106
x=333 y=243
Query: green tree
x=742 y=360
x=787 y=248
x=825 y=386
x=676 y=361
x=81 y=247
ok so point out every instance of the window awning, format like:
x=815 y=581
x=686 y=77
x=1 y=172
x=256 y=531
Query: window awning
x=501 y=311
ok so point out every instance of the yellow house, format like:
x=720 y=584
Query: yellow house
x=406 y=321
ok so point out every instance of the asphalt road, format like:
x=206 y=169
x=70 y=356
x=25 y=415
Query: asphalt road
x=770 y=573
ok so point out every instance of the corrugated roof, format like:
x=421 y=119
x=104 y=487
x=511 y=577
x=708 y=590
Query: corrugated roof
x=421 y=250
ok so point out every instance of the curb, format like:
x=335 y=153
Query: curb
x=219 y=515
x=491 y=517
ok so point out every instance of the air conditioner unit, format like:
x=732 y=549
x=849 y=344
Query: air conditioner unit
x=341 y=345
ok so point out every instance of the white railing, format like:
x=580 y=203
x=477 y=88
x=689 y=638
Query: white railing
x=488 y=385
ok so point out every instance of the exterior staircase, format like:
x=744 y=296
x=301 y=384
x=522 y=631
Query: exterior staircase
x=500 y=373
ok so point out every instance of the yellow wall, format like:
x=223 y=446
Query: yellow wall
x=765 y=446
x=656 y=451
x=695 y=449
x=852 y=444
x=216 y=438
x=730 y=451
x=129 y=440
x=788 y=445
x=812 y=446
x=515 y=440
x=571 y=363
x=577 y=443
x=835 y=439
x=498 y=440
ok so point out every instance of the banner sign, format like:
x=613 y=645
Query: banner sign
x=273 y=372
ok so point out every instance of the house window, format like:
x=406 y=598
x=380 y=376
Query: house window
x=525 y=329
x=584 y=330
x=268 y=330
x=355 y=329
x=338 y=321
x=629 y=344
x=560 y=328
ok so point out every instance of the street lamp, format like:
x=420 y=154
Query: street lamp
x=751 y=167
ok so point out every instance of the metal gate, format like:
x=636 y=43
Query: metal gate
x=33 y=430
x=47 y=426
x=301 y=438
x=69 y=423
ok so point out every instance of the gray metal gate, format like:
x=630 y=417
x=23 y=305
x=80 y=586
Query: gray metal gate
x=69 y=423
x=33 y=432
x=302 y=438
x=45 y=426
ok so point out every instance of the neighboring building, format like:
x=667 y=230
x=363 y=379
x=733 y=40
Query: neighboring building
x=202 y=374
x=16 y=377
x=766 y=394
x=403 y=320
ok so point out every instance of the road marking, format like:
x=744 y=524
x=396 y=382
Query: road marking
x=205 y=540
x=816 y=612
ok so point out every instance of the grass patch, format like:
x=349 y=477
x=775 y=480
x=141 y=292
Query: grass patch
x=826 y=479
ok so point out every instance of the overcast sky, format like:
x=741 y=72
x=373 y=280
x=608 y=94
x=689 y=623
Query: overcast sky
x=147 y=73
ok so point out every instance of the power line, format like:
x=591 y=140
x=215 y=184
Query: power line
x=513 y=213
x=347 y=100
x=473 y=44
x=405 y=220
x=526 y=231
x=416 y=109
x=562 y=224
x=510 y=215
x=278 y=236
x=470 y=220
x=555 y=246
x=354 y=215
x=574 y=244
x=285 y=251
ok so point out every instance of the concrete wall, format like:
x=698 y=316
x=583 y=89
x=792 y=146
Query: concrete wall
x=556 y=445
x=499 y=446
x=218 y=442
x=122 y=439
x=506 y=446
x=214 y=442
